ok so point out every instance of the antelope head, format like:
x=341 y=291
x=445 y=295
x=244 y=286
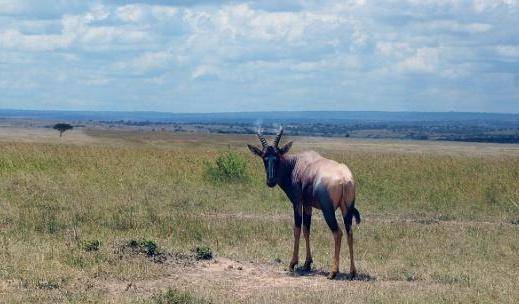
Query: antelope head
x=271 y=155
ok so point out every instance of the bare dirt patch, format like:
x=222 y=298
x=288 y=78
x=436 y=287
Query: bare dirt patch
x=243 y=279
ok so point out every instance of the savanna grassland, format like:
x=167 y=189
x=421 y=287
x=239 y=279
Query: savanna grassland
x=116 y=216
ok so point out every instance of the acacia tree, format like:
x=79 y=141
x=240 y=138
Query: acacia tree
x=62 y=127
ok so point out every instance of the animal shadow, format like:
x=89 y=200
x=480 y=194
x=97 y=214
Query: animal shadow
x=302 y=272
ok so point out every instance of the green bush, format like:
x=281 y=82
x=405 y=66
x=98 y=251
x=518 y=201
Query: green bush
x=203 y=253
x=177 y=297
x=229 y=167
x=150 y=247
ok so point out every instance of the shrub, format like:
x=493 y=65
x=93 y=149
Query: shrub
x=150 y=247
x=229 y=167
x=203 y=253
x=177 y=297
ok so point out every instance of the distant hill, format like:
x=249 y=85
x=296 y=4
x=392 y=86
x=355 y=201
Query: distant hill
x=268 y=117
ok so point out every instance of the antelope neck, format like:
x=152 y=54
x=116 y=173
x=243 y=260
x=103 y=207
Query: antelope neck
x=286 y=167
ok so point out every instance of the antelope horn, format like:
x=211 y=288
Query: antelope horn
x=278 y=137
x=262 y=139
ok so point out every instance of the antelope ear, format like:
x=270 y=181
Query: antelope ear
x=286 y=147
x=255 y=150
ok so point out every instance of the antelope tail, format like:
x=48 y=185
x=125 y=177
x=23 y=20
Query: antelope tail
x=351 y=213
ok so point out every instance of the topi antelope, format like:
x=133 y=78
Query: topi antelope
x=310 y=180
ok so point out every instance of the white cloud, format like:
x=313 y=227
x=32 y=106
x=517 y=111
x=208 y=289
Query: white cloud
x=205 y=72
x=456 y=26
x=75 y=29
x=142 y=13
x=13 y=39
x=342 y=63
x=485 y=5
x=130 y=13
x=425 y=60
x=8 y=7
x=145 y=62
x=392 y=49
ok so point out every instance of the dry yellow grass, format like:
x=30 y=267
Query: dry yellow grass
x=441 y=221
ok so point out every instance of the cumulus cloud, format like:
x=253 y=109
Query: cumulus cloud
x=424 y=60
x=13 y=39
x=145 y=62
x=145 y=13
x=263 y=55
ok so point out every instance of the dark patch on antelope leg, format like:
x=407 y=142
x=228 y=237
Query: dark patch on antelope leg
x=298 y=219
x=307 y=221
x=329 y=214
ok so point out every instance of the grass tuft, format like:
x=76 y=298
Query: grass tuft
x=177 y=297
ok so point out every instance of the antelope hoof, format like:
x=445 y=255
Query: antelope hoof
x=292 y=266
x=332 y=275
x=353 y=274
x=308 y=265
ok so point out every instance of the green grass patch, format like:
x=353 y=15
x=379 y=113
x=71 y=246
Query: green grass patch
x=203 y=253
x=228 y=167
x=177 y=297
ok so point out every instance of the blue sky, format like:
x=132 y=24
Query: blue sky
x=217 y=56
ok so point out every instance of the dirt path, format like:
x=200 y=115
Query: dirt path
x=239 y=280
x=231 y=281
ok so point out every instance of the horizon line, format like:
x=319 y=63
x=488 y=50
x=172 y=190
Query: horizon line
x=252 y=112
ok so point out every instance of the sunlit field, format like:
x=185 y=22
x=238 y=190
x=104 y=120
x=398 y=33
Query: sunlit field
x=78 y=215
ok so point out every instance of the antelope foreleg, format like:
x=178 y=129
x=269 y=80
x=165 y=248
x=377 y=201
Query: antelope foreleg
x=297 y=235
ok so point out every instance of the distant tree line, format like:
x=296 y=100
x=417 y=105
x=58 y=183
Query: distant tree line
x=473 y=131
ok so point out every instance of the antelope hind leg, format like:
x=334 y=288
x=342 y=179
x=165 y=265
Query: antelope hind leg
x=348 y=221
x=329 y=216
